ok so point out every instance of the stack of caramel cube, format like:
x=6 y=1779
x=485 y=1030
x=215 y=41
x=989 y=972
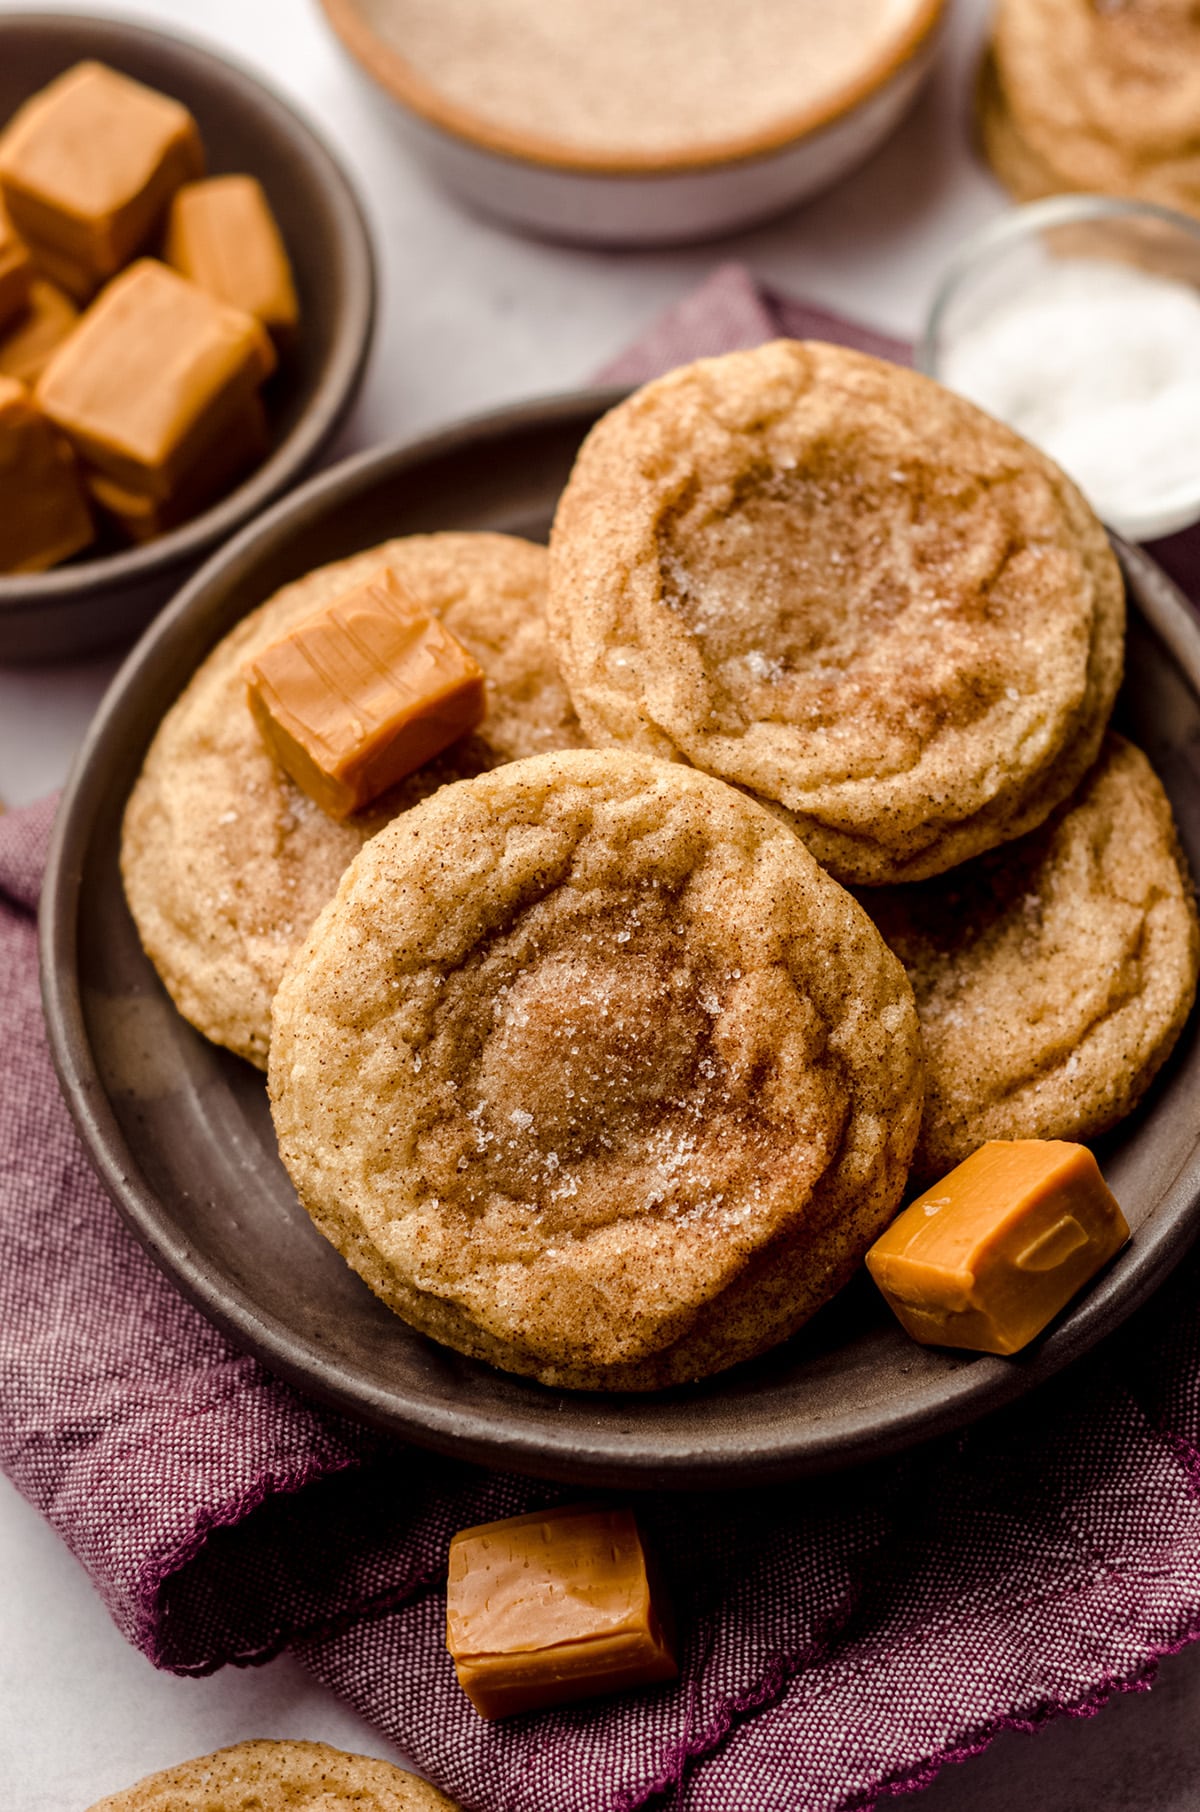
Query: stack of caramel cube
x=135 y=413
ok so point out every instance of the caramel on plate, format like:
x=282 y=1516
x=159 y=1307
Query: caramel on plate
x=44 y=517
x=551 y=1607
x=87 y=167
x=990 y=1254
x=222 y=234
x=153 y=375
x=363 y=693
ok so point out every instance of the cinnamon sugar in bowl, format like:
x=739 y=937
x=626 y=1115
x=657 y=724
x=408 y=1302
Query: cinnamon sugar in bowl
x=622 y=122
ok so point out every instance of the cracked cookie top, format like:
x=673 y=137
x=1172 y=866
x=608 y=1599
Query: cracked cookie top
x=832 y=582
x=591 y=1071
x=1054 y=976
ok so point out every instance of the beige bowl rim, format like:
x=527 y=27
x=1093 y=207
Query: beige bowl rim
x=402 y=81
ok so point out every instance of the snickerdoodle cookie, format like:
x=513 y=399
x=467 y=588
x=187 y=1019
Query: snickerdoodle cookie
x=267 y=1776
x=836 y=584
x=1087 y=96
x=1053 y=976
x=227 y=863
x=1015 y=162
x=592 y=1072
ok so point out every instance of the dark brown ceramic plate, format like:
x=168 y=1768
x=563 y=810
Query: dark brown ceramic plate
x=102 y=599
x=181 y=1135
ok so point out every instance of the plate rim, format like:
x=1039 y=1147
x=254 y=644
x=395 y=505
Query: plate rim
x=831 y=1444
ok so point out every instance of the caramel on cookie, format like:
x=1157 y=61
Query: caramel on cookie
x=226 y=862
x=590 y=1071
x=838 y=585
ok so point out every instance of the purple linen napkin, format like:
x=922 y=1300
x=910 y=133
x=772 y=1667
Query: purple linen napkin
x=841 y=1640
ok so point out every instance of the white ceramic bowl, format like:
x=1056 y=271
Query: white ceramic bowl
x=635 y=198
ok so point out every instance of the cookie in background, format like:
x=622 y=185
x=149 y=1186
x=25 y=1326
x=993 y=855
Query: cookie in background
x=1078 y=96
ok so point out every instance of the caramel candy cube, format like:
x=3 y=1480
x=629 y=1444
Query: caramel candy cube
x=142 y=518
x=44 y=517
x=363 y=693
x=990 y=1254
x=16 y=272
x=555 y=1606
x=65 y=274
x=222 y=234
x=88 y=165
x=152 y=376
x=30 y=342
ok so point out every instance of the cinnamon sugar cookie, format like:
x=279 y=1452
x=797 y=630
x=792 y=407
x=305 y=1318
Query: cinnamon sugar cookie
x=1053 y=976
x=590 y=1071
x=227 y=863
x=1096 y=97
x=836 y=584
x=268 y=1776
x=1015 y=162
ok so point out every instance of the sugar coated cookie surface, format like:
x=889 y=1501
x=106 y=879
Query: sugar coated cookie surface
x=832 y=582
x=269 y=1776
x=226 y=862
x=1054 y=976
x=592 y=1072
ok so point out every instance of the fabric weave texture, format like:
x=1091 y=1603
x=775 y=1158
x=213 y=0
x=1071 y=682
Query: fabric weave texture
x=841 y=1639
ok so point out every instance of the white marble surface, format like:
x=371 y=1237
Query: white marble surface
x=472 y=317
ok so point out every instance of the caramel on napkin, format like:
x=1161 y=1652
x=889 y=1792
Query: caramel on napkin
x=87 y=167
x=43 y=515
x=555 y=1606
x=222 y=234
x=990 y=1254
x=363 y=693
x=152 y=376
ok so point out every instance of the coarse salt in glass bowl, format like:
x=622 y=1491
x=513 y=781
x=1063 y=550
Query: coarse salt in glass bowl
x=1077 y=321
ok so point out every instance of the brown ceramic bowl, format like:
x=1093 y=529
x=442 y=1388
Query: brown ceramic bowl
x=94 y=602
x=181 y=1134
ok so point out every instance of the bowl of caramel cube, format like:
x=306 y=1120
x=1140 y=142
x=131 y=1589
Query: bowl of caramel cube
x=187 y=297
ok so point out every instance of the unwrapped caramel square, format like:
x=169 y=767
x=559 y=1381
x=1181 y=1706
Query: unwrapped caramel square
x=222 y=234
x=16 y=272
x=152 y=376
x=89 y=163
x=988 y=1256
x=142 y=518
x=362 y=693
x=44 y=517
x=30 y=341
x=552 y=1607
x=66 y=274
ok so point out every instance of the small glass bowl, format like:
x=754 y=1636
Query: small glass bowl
x=1113 y=453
